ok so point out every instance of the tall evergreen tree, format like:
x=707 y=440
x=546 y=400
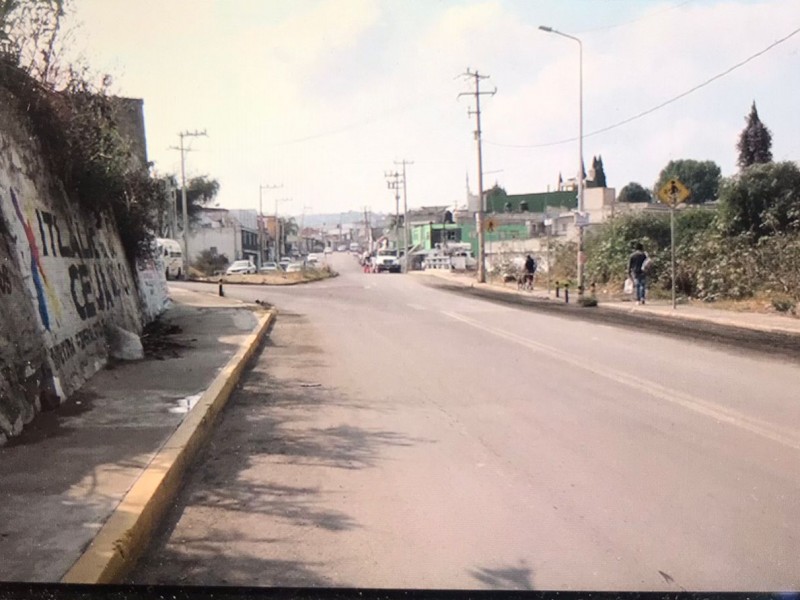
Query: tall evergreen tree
x=755 y=141
x=600 y=173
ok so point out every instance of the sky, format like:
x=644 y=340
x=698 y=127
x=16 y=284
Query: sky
x=322 y=97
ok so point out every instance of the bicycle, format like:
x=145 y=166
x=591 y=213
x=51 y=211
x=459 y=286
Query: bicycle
x=525 y=282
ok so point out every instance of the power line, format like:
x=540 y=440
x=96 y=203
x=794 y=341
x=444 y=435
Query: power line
x=658 y=106
x=379 y=117
x=642 y=18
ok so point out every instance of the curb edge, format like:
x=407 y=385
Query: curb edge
x=124 y=536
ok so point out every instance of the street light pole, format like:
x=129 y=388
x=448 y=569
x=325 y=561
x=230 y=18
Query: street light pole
x=578 y=222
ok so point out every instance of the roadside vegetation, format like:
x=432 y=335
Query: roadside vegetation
x=307 y=275
x=75 y=120
x=744 y=245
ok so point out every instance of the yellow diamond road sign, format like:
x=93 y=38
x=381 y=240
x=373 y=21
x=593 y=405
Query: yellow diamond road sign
x=673 y=192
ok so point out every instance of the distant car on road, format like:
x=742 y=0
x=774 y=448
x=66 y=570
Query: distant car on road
x=240 y=267
x=312 y=258
x=284 y=262
x=328 y=250
x=294 y=267
x=268 y=267
x=341 y=248
x=387 y=260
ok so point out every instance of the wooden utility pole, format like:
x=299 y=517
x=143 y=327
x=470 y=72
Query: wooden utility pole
x=477 y=93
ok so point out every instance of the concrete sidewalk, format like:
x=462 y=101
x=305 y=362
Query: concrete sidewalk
x=761 y=322
x=69 y=470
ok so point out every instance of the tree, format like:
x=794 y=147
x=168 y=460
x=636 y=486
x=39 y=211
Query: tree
x=634 y=192
x=200 y=191
x=763 y=199
x=290 y=226
x=755 y=141
x=210 y=263
x=495 y=198
x=31 y=36
x=701 y=177
x=597 y=172
x=600 y=173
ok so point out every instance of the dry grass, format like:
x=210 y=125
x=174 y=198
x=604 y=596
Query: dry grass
x=274 y=278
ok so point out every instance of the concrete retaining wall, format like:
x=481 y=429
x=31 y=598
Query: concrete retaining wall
x=63 y=278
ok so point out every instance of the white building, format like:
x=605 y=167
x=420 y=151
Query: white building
x=218 y=231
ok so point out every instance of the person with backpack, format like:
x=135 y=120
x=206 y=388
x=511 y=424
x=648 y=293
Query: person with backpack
x=638 y=265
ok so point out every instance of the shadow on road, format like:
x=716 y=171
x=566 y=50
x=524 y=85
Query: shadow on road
x=505 y=578
x=210 y=563
x=239 y=508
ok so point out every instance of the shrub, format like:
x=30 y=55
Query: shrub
x=209 y=264
x=783 y=303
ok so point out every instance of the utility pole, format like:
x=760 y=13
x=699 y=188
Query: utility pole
x=405 y=162
x=393 y=183
x=368 y=225
x=477 y=77
x=304 y=247
x=185 y=208
x=278 y=229
x=261 y=188
x=172 y=223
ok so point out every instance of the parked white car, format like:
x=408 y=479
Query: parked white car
x=269 y=267
x=240 y=267
x=295 y=267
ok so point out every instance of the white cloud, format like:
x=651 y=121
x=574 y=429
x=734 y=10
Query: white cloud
x=372 y=81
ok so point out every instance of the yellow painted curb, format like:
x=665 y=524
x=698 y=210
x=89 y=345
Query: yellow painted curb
x=127 y=532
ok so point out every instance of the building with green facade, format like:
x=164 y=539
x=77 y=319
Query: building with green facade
x=498 y=201
x=425 y=236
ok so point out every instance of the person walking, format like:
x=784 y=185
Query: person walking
x=530 y=271
x=636 y=271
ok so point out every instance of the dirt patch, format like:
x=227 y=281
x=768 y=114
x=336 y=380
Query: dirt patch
x=158 y=342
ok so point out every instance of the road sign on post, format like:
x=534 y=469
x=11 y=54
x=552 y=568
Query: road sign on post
x=581 y=219
x=673 y=193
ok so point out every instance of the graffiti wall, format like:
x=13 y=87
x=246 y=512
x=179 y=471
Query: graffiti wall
x=63 y=277
x=152 y=284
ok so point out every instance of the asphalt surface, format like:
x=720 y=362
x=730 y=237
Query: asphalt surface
x=396 y=435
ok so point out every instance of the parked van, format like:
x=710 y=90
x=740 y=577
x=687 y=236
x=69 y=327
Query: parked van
x=173 y=257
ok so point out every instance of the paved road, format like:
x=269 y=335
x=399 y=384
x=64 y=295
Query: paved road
x=395 y=435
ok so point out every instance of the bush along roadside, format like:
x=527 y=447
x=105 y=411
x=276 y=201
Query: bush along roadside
x=722 y=252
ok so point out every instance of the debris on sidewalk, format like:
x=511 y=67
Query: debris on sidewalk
x=123 y=344
x=158 y=342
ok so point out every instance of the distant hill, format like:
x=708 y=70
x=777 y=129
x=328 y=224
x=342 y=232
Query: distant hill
x=333 y=219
